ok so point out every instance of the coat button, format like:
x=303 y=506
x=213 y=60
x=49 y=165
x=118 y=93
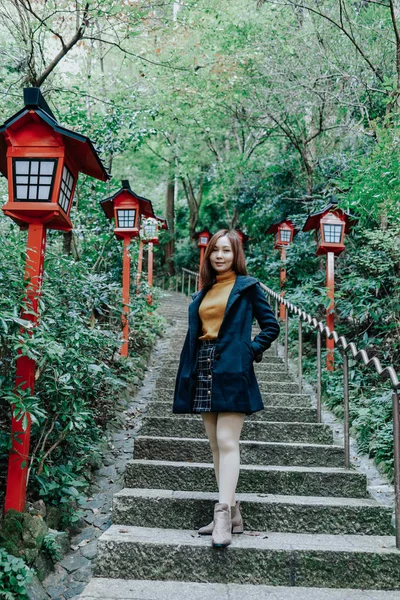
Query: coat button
x=208 y=359
x=209 y=392
x=209 y=377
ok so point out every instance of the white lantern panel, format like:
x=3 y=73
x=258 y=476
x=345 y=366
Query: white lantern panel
x=150 y=228
x=67 y=184
x=126 y=218
x=285 y=235
x=29 y=184
x=332 y=233
x=203 y=240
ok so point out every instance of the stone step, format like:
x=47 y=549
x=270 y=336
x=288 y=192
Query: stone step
x=176 y=346
x=166 y=381
x=296 y=514
x=290 y=559
x=300 y=481
x=144 y=589
x=270 y=413
x=251 y=453
x=274 y=387
x=269 y=399
x=192 y=426
x=173 y=359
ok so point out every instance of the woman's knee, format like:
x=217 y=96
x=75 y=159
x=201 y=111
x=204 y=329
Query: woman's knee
x=226 y=442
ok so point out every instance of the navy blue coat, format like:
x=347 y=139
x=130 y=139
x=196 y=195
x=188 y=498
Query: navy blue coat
x=234 y=384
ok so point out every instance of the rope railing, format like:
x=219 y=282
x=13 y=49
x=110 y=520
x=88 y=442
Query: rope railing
x=345 y=349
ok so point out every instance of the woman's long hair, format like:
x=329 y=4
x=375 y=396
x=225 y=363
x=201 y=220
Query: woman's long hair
x=207 y=273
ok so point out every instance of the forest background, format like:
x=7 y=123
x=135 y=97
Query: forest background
x=224 y=114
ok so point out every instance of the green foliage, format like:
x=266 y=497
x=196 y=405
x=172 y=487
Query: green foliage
x=14 y=576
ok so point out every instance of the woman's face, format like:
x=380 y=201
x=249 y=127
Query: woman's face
x=221 y=257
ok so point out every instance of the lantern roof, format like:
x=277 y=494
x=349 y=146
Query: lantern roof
x=313 y=221
x=244 y=237
x=163 y=222
x=202 y=232
x=79 y=146
x=275 y=226
x=145 y=206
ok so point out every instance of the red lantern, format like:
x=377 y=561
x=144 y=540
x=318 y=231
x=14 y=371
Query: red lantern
x=126 y=208
x=243 y=237
x=203 y=238
x=284 y=233
x=330 y=226
x=42 y=161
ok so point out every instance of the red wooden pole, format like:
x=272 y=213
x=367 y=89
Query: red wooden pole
x=126 y=282
x=25 y=372
x=330 y=313
x=150 y=271
x=282 y=308
x=202 y=251
x=139 y=267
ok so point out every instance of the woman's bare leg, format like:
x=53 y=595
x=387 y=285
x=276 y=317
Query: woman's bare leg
x=229 y=428
x=210 y=425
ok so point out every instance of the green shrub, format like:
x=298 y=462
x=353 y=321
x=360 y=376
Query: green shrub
x=14 y=576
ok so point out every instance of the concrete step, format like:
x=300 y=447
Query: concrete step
x=251 y=453
x=174 y=355
x=144 y=589
x=176 y=346
x=269 y=399
x=263 y=431
x=170 y=371
x=270 y=413
x=166 y=381
x=274 y=387
x=296 y=514
x=369 y=562
x=301 y=481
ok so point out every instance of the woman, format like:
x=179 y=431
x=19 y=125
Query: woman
x=216 y=376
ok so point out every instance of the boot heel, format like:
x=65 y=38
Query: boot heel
x=237 y=529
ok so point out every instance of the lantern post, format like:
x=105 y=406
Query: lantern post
x=126 y=208
x=284 y=232
x=330 y=226
x=41 y=160
x=203 y=238
x=139 y=266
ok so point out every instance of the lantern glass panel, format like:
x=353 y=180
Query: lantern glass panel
x=203 y=240
x=67 y=184
x=332 y=233
x=150 y=228
x=284 y=235
x=126 y=218
x=33 y=179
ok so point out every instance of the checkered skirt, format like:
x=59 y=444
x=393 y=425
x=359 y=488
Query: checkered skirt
x=202 y=399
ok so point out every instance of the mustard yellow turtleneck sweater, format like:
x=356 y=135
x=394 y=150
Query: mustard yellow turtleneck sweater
x=213 y=305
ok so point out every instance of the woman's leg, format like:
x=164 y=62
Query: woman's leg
x=229 y=427
x=210 y=425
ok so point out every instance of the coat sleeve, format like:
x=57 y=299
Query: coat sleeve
x=267 y=322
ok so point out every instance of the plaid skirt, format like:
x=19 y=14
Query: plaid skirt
x=202 y=398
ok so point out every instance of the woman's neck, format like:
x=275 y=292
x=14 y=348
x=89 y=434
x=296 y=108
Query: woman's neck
x=228 y=276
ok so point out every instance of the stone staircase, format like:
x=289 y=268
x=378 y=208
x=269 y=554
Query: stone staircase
x=311 y=529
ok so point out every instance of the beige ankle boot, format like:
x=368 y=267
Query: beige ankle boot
x=237 y=522
x=222 y=532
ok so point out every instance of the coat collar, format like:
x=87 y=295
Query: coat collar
x=242 y=283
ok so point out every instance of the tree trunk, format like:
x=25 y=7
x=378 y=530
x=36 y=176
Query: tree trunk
x=170 y=215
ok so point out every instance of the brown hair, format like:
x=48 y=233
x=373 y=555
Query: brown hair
x=208 y=274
